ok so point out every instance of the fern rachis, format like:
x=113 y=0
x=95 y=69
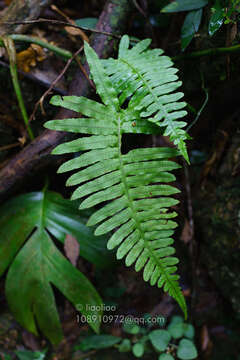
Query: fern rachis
x=135 y=203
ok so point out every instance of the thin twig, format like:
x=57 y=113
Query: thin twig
x=10 y=146
x=79 y=31
x=139 y=8
x=40 y=101
x=59 y=22
x=202 y=107
x=88 y=354
x=85 y=73
x=144 y=12
x=199 y=112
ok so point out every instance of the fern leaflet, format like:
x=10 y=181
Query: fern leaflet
x=133 y=187
x=149 y=78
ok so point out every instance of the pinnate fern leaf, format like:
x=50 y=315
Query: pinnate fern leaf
x=133 y=187
x=151 y=81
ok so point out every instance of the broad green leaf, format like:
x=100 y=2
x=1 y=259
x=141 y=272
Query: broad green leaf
x=138 y=350
x=188 y=331
x=166 y=357
x=176 y=319
x=131 y=328
x=35 y=262
x=62 y=217
x=88 y=23
x=160 y=339
x=30 y=355
x=186 y=350
x=97 y=342
x=184 y=5
x=216 y=19
x=7 y=357
x=125 y=346
x=190 y=27
x=176 y=330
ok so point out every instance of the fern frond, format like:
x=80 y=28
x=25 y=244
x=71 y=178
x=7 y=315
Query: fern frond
x=151 y=81
x=133 y=187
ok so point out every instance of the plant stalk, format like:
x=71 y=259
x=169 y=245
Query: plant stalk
x=14 y=75
x=208 y=52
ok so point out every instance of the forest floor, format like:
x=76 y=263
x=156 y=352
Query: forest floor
x=207 y=239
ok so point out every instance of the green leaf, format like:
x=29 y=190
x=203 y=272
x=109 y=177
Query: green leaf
x=176 y=330
x=30 y=355
x=133 y=187
x=138 y=350
x=160 y=339
x=188 y=331
x=131 y=328
x=103 y=84
x=176 y=319
x=166 y=357
x=7 y=357
x=98 y=342
x=184 y=5
x=88 y=23
x=125 y=346
x=190 y=27
x=35 y=262
x=63 y=217
x=186 y=350
x=216 y=19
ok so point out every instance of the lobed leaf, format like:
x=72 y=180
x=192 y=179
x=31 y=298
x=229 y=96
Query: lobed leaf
x=26 y=223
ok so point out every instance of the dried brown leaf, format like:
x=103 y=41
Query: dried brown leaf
x=71 y=248
x=205 y=342
x=69 y=29
x=76 y=32
x=204 y=338
x=186 y=235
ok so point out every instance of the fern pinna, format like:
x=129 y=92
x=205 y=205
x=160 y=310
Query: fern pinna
x=133 y=186
x=151 y=81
